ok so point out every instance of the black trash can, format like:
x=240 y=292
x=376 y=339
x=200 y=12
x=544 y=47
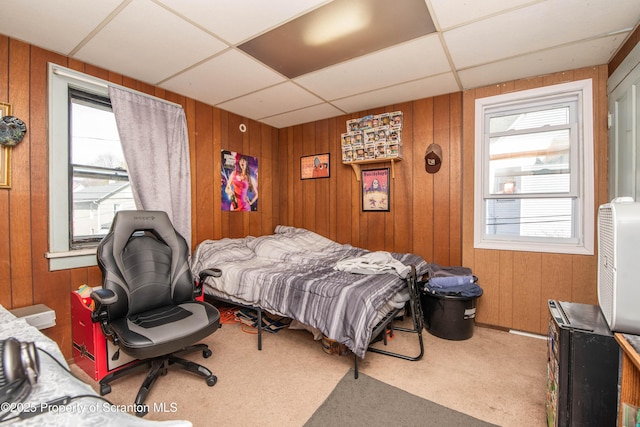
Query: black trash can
x=451 y=317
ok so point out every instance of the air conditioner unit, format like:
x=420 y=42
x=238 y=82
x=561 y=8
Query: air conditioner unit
x=619 y=264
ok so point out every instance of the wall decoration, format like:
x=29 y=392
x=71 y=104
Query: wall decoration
x=5 y=153
x=373 y=137
x=375 y=190
x=12 y=131
x=315 y=166
x=239 y=182
x=433 y=158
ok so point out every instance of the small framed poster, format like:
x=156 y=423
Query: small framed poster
x=375 y=190
x=315 y=166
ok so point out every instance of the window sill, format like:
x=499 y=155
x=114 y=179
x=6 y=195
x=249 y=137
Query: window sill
x=534 y=247
x=71 y=259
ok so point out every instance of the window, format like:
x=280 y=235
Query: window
x=99 y=180
x=88 y=179
x=534 y=170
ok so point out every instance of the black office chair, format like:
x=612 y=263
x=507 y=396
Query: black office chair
x=147 y=305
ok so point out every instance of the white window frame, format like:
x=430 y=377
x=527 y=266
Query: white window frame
x=583 y=147
x=60 y=254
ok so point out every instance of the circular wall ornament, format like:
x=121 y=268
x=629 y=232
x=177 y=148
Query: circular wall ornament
x=12 y=131
x=243 y=128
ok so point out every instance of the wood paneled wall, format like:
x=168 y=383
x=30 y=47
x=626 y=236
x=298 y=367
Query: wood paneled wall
x=517 y=285
x=430 y=214
x=25 y=278
x=425 y=209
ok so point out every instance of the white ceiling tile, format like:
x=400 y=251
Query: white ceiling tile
x=226 y=76
x=564 y=58
x=405 y=62
x=188 y=47
x=235 y=21
x=271 y=101
x=53 y=25
x=423 y=88
x=451 y=13
x=304 y=115
x=540 y=26
x=149 y=43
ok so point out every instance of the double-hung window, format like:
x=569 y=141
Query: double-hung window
x=88 y=179
x=534 y=170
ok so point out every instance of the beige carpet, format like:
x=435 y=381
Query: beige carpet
x=494 y=376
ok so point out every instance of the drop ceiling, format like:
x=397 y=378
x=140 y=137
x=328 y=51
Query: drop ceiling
x=205 y=49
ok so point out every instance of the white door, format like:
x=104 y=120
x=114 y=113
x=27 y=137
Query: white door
x=623 y=89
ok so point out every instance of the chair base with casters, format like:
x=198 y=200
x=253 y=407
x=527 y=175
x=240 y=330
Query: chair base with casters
x=157 y=367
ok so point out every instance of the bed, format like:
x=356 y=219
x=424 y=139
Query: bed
x=83 y=406
x=312 y=280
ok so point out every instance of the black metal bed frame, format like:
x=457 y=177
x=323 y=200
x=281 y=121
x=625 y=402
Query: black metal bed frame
x=386 y=324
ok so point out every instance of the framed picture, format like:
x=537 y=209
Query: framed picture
x=239 y=178
x=375 y=190
x=316 y=166
x=5 y=153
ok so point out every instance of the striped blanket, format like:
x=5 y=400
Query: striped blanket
x=293 y=273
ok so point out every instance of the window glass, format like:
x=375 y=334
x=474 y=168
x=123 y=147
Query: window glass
x=550 y=116
x=529 y=154
x=539 y=161
x=530 y=217
x=99 y=180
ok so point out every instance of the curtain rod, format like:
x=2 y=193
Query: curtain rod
x=85 y=78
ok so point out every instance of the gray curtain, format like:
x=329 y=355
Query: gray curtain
x=155 y=142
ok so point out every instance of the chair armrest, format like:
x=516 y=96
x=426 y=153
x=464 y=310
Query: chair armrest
x=104 y=296
x=210 y=272
x=199 y=284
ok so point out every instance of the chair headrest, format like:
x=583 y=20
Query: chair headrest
x=126 y=223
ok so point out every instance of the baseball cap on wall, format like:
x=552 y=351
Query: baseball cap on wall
x=433 y=158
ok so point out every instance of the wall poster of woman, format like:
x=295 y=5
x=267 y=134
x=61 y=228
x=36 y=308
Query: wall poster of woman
x=239 y=182
x=375 y=190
